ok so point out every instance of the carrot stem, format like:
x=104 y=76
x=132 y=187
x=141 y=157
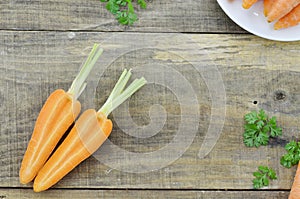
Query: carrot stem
x=120 y=85
x=118 y=96
x=79 y=84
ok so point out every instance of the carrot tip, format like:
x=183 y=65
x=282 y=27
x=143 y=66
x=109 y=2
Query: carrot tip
x=38 y=187
x=26 y=176
x=23 y=181
x=246 y=6
x=276 y=28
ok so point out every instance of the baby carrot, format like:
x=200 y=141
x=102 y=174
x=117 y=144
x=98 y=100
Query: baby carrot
x=88 y=134
x=56 y=116
x=280 y=8
x=295 y=190
x=248 y=3
x=291 y=19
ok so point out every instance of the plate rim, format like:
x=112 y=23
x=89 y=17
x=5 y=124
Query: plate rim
x=220 y=2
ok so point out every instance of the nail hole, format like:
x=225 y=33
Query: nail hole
x=255 y=102
x=279 y=96
x=71 y=35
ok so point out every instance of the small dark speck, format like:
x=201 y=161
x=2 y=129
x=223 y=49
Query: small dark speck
x=255 y=102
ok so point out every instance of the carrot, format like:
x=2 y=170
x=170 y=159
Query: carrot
x=291 y=19
x=88 y=134
x=267 y=6
x=56 y=116
x=248 y=3
x=280 y=8
x=295 y=190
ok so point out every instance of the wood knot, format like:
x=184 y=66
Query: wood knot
x=280 y=95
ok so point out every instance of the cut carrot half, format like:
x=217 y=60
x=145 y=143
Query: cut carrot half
x=248 y=3
x=289 y=20
x=267 y=6
x=56 y=116
x=280 y=8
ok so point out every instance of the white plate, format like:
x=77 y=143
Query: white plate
x=254 y=21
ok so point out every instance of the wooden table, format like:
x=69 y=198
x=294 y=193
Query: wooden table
x=227 y=71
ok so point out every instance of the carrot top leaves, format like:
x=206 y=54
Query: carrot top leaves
x=119 y=95
x=79 y=84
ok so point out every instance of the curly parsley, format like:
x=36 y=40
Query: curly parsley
x=123 y=10
x=259 y=128
x=263 y=177
x=292 y=156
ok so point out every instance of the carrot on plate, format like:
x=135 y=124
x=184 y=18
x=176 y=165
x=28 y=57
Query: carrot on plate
x=56 y=116
x=289 y=20
x=267 y=6
x=87 y=135
x=280 y=8
x=295 y=190
x=248 y=3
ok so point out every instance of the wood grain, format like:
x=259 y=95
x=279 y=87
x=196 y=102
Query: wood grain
x=147 y=194
x=160 y=16
x=33 y=64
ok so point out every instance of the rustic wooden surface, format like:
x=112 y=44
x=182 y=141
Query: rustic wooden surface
x=127 y=194
x=43 y=46
x=161 y=16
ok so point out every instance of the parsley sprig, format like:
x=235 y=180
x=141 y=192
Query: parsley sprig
x=263 y=177
x=259 y=128
x=123 y=10
x=292 y=156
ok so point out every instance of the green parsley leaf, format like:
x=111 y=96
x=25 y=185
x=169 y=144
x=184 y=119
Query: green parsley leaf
x=272 y=174
x=112 y=7
x=123 y=15
x=263 y=169
x=257 y=174
x=292 y=156
x=275 y=131
x=259 y=128
x=121 y=2
x=262 y=115
x=142 y=4
x=251 y=118
x=263 y=177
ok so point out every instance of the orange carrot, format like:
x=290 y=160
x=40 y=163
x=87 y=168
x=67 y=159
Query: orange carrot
x=295 y=190
x=291 y=19
x=83 y=140
x=267 y=6
x=56 y=116
x=280 y=8
x=248 y=3
x=88 y=134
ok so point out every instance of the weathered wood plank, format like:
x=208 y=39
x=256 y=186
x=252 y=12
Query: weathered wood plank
x=160 y=16
x=33 y=64
x=124 y=194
